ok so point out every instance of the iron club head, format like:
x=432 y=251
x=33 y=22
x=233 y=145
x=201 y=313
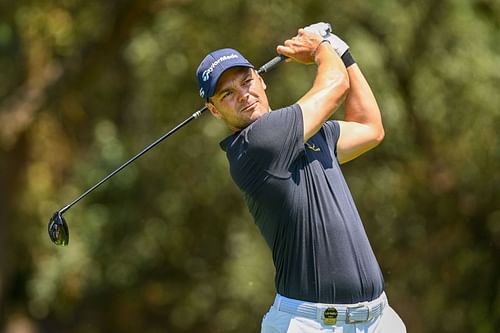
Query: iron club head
x=58 y=229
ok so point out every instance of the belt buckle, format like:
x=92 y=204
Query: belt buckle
x=330 y=316
x=348 y=314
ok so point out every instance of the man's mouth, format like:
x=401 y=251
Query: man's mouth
x=249 y=107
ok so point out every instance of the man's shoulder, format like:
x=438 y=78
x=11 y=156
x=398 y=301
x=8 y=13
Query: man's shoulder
x=277 y=117
x=227 y=142
x=290 y=107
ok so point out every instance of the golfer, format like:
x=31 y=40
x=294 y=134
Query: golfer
x=287 y=164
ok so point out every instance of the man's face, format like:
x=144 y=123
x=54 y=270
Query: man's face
x=240 y=98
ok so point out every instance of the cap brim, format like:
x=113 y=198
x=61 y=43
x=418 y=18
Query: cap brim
x=216 y=81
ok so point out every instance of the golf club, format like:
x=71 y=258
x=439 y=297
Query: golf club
x=58 y=228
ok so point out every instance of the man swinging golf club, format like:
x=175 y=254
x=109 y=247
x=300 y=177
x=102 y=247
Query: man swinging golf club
x=287 y=164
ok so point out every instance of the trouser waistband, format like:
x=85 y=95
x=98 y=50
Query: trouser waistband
x=332 y=313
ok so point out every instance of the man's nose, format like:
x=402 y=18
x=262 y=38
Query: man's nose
x=243 y=94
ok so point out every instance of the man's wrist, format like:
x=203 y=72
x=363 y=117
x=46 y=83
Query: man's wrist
x=318 y=47
x=347 y=59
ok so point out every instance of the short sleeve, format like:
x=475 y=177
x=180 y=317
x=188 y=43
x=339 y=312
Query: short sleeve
x=276 y=140
x=332 y=133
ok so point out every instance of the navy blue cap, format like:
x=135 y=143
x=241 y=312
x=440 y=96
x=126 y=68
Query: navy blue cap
x=214 y=65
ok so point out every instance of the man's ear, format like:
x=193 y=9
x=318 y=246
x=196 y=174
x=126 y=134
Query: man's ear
x=213 y=110
x=262 y=81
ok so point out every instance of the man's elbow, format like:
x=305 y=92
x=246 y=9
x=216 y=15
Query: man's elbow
x=376 y=124
x=344 y=85
x=338 y=89
x=379 y=135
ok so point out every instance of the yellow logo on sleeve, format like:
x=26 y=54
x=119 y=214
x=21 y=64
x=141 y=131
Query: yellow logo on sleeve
x=313 y=147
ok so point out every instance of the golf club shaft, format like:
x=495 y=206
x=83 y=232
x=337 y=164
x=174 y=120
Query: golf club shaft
x=264 y=69
x=142 y=152
x=271 y=64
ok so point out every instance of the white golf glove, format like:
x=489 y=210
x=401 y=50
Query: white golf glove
x=325 y=31
x=320 y=28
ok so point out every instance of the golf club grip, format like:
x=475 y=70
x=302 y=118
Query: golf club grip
x=271 y=64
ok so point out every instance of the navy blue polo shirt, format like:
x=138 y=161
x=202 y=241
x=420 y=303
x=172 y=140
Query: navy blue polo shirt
x=302 y=205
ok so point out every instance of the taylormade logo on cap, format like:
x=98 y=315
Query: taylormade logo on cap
x=206 y=74
x=214 y=65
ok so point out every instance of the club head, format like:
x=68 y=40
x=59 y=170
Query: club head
x=58 y=229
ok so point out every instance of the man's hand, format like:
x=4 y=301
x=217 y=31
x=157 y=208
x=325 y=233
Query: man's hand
x=325 y=31
x=330 y=85
x=301 y=48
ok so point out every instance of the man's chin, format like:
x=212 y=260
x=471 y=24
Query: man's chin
x=256 y=115
x=252 y=118
x=259 y=112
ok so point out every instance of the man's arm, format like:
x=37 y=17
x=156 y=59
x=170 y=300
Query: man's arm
x=361 y=128
x=330 y=85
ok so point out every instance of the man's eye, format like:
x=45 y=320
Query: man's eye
x=224 y=95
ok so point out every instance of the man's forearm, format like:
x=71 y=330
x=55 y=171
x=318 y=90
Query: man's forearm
x=361 y=105
x=327 y=92
x=362 y=127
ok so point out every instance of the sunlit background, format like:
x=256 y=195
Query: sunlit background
x=167 y=245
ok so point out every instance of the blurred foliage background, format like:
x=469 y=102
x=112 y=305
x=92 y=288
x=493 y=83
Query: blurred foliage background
x=167 y=245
